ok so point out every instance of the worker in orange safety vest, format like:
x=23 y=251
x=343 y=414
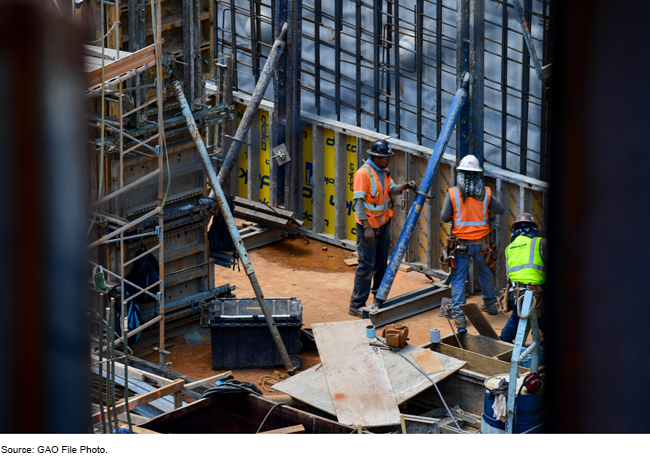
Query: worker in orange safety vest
x=372 y=189
x=466 y=206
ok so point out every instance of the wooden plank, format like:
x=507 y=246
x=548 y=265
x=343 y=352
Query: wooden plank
x=428 y=361
x=480 y=344
x=487 y=366
x=310 y=386
x=298 y=429
x=355 y=374
x=135 y=402
x=209 y=380
x=479 y=321
x=405 y=268
x=351 y=261
x=257 y=206
x=262 y=218
x=119 y=67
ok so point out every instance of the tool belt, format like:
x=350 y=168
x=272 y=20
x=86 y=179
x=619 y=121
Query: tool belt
x=396 y=334
x=448 y=256
x=503 y=304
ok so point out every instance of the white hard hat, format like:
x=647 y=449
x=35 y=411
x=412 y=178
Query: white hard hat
x=469 y=163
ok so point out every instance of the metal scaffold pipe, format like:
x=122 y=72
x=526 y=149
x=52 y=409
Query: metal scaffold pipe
x=425 y=185
x=230 y=222
x=253 y=105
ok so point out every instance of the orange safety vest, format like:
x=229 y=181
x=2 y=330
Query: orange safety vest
x=469 y=217
x=368 y=187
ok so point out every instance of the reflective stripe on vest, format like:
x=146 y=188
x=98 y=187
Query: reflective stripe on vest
x=458 y=221
x=374 y=190
x=526 y=260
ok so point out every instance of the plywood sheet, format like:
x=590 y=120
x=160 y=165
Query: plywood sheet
x=479 y=321
x=355 y=373
x=428 y=361
x=310 y=386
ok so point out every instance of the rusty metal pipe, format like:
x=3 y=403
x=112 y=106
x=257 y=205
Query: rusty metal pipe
x=253 y=105
x=230 y=222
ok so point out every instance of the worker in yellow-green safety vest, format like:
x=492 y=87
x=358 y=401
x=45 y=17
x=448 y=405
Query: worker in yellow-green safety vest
x=526 y=270
x=373 y=187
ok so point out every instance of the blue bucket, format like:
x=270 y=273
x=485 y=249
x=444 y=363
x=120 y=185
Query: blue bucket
x=529 y=406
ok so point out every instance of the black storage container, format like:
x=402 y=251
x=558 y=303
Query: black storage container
x=241 y=338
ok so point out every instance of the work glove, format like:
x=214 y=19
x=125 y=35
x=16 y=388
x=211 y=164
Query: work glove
x=369 y=235
x=409 y=185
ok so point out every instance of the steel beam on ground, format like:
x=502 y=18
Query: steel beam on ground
x=408 y=304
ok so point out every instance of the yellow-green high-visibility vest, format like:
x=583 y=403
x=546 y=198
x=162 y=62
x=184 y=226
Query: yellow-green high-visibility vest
x=524 y=261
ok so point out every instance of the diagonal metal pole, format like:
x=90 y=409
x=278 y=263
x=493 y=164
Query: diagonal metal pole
x=230 y=222
x=253 y=105
x=542 y=72
x=423 y=188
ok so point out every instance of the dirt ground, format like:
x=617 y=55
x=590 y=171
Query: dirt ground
x=316 y=274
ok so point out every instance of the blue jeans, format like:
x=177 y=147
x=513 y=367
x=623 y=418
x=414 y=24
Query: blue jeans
x=509 y=331
x=458 y=277
x=373 y=261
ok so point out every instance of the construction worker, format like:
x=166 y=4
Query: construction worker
x=372 y=188
x=466 y=206
x=525 y=265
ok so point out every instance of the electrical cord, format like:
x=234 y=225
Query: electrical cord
x=232 y=386
x=392 y=349
x=267 y=415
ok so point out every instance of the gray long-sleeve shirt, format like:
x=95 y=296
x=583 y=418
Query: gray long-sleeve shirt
x=447 y=209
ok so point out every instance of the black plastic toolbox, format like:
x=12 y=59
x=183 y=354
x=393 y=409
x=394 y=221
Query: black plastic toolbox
x=241 y=338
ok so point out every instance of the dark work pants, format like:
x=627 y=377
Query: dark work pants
x=372 y=264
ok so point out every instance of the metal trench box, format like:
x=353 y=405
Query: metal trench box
x=408 y=304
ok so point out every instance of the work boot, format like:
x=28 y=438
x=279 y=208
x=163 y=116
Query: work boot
x=355 y=311
x=491 y=310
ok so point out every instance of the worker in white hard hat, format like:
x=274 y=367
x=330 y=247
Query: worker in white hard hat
x=466 y=206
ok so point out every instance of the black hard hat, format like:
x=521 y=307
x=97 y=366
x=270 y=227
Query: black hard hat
x=380 y=148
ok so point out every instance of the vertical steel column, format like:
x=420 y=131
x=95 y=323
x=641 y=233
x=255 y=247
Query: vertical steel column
x=188 y=50
x=233 y=42
x=546 y=109
x=198 y=56
x=438 y=63
x=462 y=66
x=287 y=125
x=317 y=6
x=525 y=86
x=279 y=121
x=419 y=44
x=254 y=34
x=423 y=188
x=397 y=68
x=338 y=7
x=358 y=60
x=376 y=21
x=292 y=183
x=477 y=71
x=504 y=86
x=160 y=85
x=230 y=222
x=385 y=54
x=134 y=22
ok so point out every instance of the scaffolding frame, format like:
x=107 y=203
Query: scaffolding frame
x=127 y=144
